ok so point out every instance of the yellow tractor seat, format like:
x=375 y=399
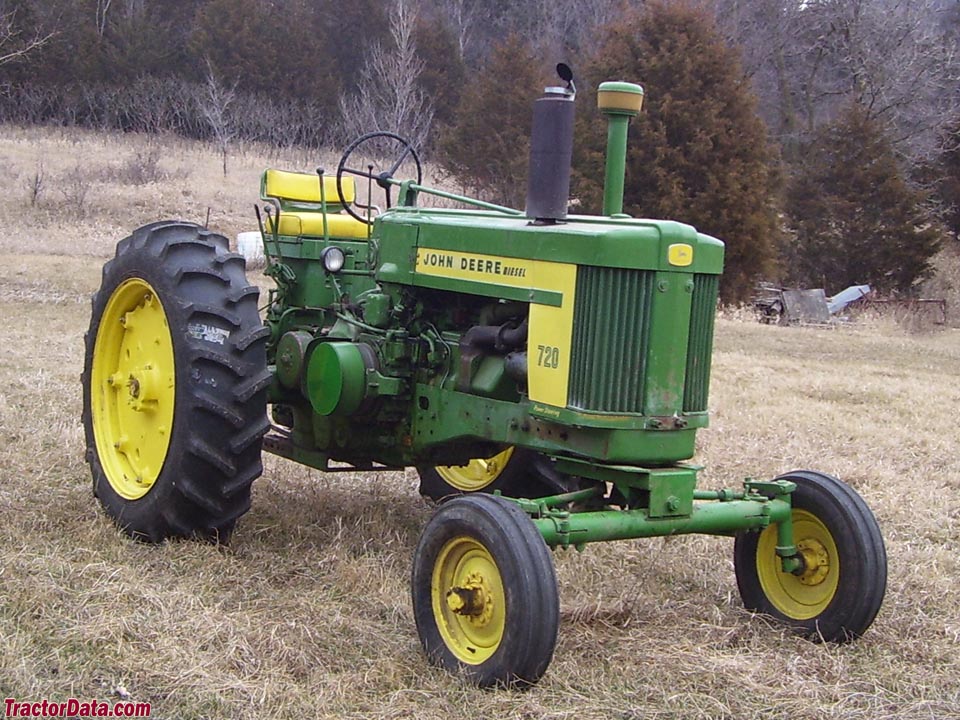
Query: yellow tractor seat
x=296 y=197
x=311 y=223
x=301 y=191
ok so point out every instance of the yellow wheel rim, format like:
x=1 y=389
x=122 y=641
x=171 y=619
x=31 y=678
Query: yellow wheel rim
x=477 y=474
x=468 y=600
x=132 y=388
x=804 y=596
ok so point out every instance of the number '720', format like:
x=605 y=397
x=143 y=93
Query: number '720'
x=549 y=357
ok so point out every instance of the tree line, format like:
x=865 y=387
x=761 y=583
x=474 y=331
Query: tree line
x=819 y=139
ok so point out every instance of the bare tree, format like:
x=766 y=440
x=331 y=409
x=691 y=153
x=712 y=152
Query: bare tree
x=135 y=8
x=894 y=59
x=767 y=34
x=388 y=97
x=809 y=59
x=14 y=45
x=555 y=28
x=216 y=103
x=463 y=15
x=562 y=28
x=102 y=9
x=131 y=8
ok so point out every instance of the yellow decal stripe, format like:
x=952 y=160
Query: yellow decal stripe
x=551 y=328
x=551 y=338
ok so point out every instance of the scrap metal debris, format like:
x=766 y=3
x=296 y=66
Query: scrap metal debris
x=782 y=306
x=843 y=298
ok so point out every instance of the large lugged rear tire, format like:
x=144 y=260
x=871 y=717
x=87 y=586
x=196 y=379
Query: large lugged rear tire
x=174 y=385
x=841 y=587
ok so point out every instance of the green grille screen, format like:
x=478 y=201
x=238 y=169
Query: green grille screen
x=700 y=346
x=610 y=339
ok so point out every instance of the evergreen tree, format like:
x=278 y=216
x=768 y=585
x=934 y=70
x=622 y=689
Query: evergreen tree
x=275 y=48
x=488 y=148
x=224 y=33
x=444 y=72
x=139 y=41
x=856 y=220
x=698 y=151
x=348 y=32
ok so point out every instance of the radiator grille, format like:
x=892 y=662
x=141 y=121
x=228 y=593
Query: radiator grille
x=700 y=344
x=611 y=337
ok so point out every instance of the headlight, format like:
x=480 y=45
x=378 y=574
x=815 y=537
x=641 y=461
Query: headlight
x=333 y=259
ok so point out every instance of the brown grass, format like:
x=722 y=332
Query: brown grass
x=945 y=284
x=307 y=613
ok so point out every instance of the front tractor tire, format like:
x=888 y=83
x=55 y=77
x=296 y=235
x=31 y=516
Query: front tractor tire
x=839 y=590
x=485 y=596
x=174 y=385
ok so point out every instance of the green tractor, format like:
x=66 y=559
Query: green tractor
x=546 y=373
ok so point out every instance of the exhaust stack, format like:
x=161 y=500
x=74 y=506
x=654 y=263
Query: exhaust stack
x=551 y=152
x=619 y=101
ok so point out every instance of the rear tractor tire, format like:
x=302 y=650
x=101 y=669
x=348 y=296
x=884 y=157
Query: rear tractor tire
x=840 y=589
x=485 y=596
x=515 y=472
x=174 y=385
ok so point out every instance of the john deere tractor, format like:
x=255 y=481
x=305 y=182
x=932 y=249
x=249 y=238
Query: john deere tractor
x=545 y=372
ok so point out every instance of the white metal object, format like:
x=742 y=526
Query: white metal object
x=250 y=245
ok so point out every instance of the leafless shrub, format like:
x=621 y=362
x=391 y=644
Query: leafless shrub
x=915 y=318
x=945 y=282
x=35 y=186
x=34 y=104
x=283 y=124
x=75 y=187
x=159 y=106
x=142 y=168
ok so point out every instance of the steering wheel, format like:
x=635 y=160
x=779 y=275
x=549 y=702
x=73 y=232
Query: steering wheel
x=384 y=153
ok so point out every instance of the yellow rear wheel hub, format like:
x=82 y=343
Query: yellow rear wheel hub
x=132 y=388
x=807 y=595
x=468 y=600
x=477 y=474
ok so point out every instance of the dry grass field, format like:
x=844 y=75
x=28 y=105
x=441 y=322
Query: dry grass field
x=307 y=612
